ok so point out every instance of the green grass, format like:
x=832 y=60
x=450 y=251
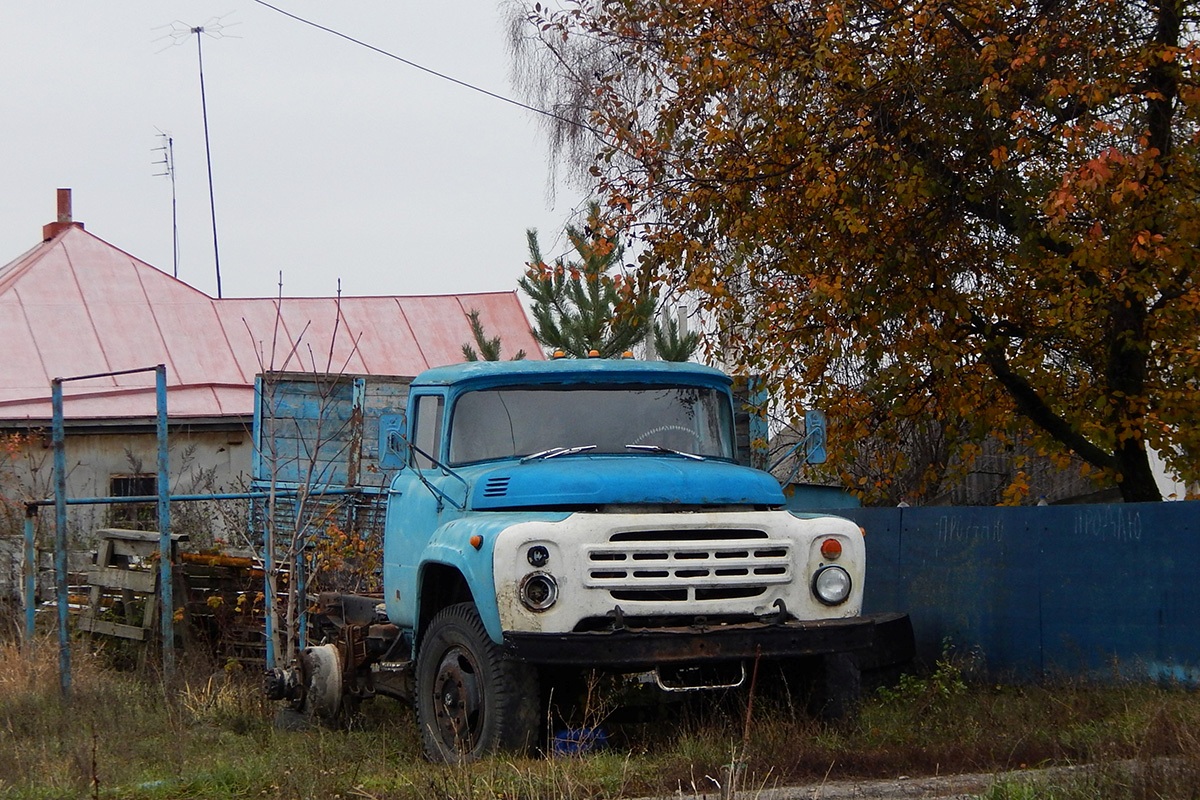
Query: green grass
x=123 y=735
x=1124 y=780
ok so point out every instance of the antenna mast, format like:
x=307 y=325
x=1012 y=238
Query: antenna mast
x=179 y=32
x=212 y=207
x=168 y=165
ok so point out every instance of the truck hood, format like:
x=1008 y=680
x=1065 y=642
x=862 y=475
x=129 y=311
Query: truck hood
x=574 y=481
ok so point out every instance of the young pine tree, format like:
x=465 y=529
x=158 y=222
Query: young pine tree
x=489 y=349
x=671 y=344
x=581 y=306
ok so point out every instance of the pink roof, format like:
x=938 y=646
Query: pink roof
x=76 y=305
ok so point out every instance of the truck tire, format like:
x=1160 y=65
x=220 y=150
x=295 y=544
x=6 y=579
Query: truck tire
x=472 y=701
x=837 y=688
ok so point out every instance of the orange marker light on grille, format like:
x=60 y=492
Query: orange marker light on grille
x=831 y=549
x=477 y=541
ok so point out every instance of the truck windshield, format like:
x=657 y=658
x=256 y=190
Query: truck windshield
x=520 y=421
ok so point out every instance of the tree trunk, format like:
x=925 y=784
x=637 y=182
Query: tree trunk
x=1135 y=478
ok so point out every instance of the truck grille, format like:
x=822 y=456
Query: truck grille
x=688 y=565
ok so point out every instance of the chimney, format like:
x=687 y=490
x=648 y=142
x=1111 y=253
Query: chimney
x=64 y=220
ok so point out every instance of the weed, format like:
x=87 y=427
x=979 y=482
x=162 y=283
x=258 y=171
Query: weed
x=943 y=683
x=1013 y=789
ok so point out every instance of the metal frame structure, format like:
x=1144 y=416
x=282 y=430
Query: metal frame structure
x=31 y=508
x=60 y=501
x=60 y=524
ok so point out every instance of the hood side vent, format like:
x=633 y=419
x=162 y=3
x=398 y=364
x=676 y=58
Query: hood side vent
x=496 y=486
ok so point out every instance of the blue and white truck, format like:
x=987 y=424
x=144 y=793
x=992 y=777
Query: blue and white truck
x=548 y=517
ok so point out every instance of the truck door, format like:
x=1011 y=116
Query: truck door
x=413 y=510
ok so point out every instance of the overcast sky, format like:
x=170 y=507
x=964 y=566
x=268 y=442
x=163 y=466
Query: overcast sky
x=329 y=160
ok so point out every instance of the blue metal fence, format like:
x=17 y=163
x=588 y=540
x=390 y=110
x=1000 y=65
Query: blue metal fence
x=1041 y=592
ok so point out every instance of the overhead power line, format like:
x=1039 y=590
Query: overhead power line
x=425 y=69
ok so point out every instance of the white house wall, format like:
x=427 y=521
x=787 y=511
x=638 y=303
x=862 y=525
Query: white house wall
x=199 y=462
x=1168 y=482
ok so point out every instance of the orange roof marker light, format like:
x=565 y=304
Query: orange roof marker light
x=593 y=353
x=831 y=549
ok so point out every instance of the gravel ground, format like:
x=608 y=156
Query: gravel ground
x=945 y=787
x=951 y=787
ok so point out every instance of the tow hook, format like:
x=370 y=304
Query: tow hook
x=618 y=617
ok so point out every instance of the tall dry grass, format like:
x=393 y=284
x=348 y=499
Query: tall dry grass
x=128 y=735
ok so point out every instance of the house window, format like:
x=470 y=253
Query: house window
x=136 y=516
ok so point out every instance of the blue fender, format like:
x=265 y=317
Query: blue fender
x=450 y=545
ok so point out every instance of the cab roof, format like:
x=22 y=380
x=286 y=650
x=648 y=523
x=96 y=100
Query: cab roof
x=477 y=374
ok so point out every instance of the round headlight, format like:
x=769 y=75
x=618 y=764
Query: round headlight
x=831 y=585
x=538 y=591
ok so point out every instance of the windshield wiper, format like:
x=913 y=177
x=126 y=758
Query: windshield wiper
x=555 y=452
x=658 y=448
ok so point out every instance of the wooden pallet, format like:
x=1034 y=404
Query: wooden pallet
x=125 y=576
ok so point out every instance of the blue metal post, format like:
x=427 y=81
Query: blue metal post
x=60 y=536
x=165 y=567
x=268 y=526
x=256 y=448
x=299 y=593
x=261 y=495
x=30 y=575
x=268 y=595
x=297 y=590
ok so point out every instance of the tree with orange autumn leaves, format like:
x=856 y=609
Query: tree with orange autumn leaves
x=977 y=215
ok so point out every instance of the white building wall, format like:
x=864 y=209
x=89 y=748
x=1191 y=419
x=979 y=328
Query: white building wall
x=200 y=462
x=1169 y=484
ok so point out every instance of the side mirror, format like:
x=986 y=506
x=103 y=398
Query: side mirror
x=393 y=444
x=814 y=436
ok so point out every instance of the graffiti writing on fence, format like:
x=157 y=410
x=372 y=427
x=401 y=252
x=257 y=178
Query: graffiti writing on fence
x=1109 y=524
x=953 y=528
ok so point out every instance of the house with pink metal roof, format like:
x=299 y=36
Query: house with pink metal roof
x=77 y=305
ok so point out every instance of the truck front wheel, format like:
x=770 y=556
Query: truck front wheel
x=837 y=687
x=471 y=700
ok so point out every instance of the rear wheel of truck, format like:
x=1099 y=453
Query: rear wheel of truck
x=471 y=700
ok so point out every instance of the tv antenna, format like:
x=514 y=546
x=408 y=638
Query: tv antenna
x=179 y=32
x=167 y=163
